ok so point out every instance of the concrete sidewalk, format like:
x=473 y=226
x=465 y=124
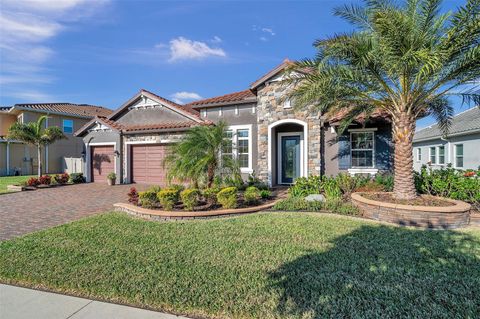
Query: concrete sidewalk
x=22 y=303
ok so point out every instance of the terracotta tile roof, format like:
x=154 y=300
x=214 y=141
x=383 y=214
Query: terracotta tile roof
x=271 y=73
x=244 y=96
x=84 y=110
x=339 y=115
x=159 y=126
x=183 y=107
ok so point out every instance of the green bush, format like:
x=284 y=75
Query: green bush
x=330 y=188
x=189 y=198
x=77 y=178
x=227 y=197
x=305 y=186
x=386 y=180
x=177 y=187
x=210 y=195
x=348 y=184
x=251 y=195
x=147 y=199
x=300 y=204
x=265 y=193
x=112 y=175
x=154 y=188
x=451 y=183
x=168 y=197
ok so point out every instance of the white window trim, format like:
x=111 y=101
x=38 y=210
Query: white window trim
x=20 y=118
x=287 y=104
x=438 y=155
x=234 y=129
x=419 y=154
x=220 y=111
x=430 y=155
x=371 y=130
x=279 y=154
x=204 y=112
x=63 y=126
x=455 y=155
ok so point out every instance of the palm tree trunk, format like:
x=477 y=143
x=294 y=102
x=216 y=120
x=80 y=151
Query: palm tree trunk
x=39 y=155
x=403 y=129
x=210 y=175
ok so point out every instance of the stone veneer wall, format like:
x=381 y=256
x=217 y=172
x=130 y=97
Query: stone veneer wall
x=270 y=108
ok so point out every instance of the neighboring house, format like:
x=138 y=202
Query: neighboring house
x=461 y=147
x=269 y=136
x=17 y=158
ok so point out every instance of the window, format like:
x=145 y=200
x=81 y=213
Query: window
x=433 y=155
x=419 y=154
x=287 y=104
x=20 y=118
x=239 y=146
x=68 y=126
x=459 y=155
x=441 y=155
x=362 y=149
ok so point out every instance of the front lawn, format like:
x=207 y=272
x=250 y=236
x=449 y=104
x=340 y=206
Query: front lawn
x=272 y=265
x=11 y=180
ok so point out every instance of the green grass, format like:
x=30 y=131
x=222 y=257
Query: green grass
x=272 y=265
x=11 y=180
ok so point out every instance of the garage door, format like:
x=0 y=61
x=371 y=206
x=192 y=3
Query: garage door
x=103 y=163
x=147 y=164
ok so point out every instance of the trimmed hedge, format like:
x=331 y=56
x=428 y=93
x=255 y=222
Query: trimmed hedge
x=251 y=195
x=189 y=198
x=227 y=197
x=168 y=197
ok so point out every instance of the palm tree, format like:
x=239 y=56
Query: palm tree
x=199 y=154
x=403 y=60
x=35 y=133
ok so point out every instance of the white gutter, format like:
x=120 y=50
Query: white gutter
x=448 y=136
x=8 y=158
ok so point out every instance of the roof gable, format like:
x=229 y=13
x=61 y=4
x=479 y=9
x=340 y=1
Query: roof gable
x=270 y=74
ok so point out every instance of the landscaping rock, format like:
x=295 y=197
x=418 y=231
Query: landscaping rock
x=315 y=198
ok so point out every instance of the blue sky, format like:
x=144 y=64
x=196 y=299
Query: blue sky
x=103 y=51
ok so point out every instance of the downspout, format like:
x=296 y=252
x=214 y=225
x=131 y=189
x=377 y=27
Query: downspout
x=8 y=159
x=46 y=149
x=322 y=147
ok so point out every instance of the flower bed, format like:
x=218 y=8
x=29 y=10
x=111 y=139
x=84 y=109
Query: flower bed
x=455 y=215
x=46 y=181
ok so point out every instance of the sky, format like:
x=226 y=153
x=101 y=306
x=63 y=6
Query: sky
x=102 y=52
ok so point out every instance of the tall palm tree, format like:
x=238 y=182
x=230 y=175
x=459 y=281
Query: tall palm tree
x=199 y=154
x=403 y=60
x=35 y=134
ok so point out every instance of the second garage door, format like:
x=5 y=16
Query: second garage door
x=147 y=164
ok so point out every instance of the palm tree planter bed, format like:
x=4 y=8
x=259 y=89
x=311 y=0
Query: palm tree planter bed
x=456 y=215
x=156 y=214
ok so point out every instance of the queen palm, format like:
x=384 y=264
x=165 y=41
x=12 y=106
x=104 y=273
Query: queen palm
x=35 y=134
x=403 y=60
x=199 y=154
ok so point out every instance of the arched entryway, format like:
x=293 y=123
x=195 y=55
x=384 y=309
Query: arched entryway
x=287 y=151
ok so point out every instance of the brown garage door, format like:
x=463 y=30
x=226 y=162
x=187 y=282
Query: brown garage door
x=103 y=163
x=147 y=164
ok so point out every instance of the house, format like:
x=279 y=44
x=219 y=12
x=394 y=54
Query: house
x=269 y=136
x=17 y=158
x=460 y=148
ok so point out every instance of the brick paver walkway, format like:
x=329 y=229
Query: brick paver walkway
x=29 y=211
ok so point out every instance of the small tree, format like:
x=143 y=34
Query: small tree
x=199 y=154
x=404 y=60
x=35 y=134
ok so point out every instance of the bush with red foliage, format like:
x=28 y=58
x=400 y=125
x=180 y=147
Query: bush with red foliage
x=45 y=179
x=62 y=178
x=469 y=174
x=33 y=181
x=133 y=196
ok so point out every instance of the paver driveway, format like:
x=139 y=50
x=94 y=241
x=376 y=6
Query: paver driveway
x=29 y=211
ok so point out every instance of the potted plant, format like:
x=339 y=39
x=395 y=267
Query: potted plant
x=111 y=178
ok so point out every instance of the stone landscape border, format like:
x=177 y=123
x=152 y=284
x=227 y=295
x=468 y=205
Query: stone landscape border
x=154 y=214
x=435 y=217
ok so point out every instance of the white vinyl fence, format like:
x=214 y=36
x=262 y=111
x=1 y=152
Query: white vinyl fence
x=73 y=165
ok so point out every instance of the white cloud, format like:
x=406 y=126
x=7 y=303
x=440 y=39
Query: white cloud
x=182 y=97
x=269 y=31
x=264 y=33
x=216 y=39
x=185 y=49
x=25 y=28
x=263 y=39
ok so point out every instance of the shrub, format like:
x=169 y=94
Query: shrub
x=371 y=186
x=300 y=204
x=330 y=188
x=154 y=188
x=189 y=198
x=112 y=175
x=33 y=181
x=133 y=196
x=386 y=180
x=265 y=194
x=45 y=179
x=168 y=197
x=305 y=186
x=227 y=197
x=236 y=182
x=62 y=178
x=210 y=195
x=77 y=178
x=147 y=199
x=251 y=195
x=348 y=184
x=177 y=187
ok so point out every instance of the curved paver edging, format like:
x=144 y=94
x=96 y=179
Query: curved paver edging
x=165 y=215
x=437 y=217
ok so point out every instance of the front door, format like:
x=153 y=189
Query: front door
x=289 y=158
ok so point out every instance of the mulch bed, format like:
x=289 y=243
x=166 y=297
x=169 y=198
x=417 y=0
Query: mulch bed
x=421 y=200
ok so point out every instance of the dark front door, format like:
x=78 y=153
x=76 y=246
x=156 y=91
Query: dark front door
x=289 y=158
